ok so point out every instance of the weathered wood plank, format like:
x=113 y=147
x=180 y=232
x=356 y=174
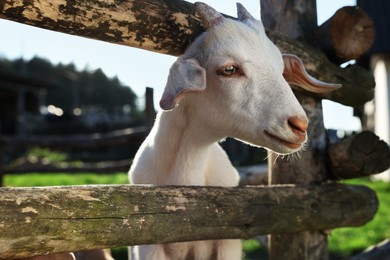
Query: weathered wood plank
x=44 y=220
x=160 y=26
x=169 y=27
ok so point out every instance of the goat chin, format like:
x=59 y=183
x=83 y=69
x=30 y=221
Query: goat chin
x=284 y=147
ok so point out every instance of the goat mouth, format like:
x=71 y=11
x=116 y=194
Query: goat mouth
x=286 y=143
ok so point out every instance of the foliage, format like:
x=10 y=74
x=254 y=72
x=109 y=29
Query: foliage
x=45 y=155
x=254 y=250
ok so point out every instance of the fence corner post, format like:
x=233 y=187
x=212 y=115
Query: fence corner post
x=310 y=168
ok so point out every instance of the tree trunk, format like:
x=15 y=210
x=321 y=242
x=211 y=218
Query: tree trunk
x=36 y=221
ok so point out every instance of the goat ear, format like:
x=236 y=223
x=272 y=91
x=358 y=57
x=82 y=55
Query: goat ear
x=209 y=16
x=185 y=75
x=295 y=73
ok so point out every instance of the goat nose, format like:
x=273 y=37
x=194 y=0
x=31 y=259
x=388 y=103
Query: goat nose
x=298 y=124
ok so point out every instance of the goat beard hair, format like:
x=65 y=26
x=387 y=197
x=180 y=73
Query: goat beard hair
x=292 y=157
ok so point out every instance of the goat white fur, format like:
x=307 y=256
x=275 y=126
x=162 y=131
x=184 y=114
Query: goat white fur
x=229 y=82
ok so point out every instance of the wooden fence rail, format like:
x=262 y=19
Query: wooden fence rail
x=79 y=140
x=36 y=221
x=86 y=141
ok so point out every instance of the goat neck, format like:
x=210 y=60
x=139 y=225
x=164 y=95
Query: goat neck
x=182 y=148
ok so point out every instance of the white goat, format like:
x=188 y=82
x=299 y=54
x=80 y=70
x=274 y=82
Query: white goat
x=229 y=82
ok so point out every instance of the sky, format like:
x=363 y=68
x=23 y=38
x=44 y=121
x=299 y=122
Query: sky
x=134 y=67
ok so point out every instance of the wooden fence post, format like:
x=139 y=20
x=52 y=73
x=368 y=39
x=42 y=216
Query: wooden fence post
x=150 y=112
x=310 y=168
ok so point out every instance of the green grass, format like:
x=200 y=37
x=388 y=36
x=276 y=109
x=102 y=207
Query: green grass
x=56 y=179
x=343 y=242
x=254 y=250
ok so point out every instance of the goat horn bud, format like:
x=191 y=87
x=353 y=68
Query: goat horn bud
x=295 y=73
x=209 y=16
x=242 y=13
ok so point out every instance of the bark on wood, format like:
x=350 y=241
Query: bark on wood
x=161 y=26
x=169 y=27
x=359 y=155
x=302 y=245
x=92 y=140
x=35 y=221
x=347 y=35
x=296 y=21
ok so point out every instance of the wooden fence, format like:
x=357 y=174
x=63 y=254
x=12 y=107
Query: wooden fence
x=37 y=221
x=129 y=136
x=54 y=219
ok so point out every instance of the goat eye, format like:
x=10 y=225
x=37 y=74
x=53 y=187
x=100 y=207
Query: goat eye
x=227 y=71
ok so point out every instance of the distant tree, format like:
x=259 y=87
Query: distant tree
x=75 y=88
x=97 y=89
